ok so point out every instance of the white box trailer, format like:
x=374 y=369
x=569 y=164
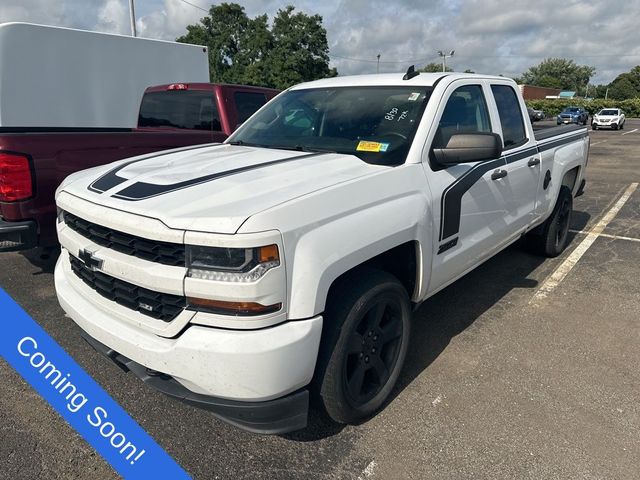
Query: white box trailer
x=66 y=78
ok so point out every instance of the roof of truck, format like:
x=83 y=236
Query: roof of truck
x=388 y=79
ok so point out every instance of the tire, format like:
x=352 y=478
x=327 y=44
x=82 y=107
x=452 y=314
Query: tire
x=614 y=126
x=554 y=235
x=594 y=127
x=621 y=125
x=364 y=344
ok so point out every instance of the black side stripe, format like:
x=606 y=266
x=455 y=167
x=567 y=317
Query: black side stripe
x=110 y=179
x=451 y=201
x=557 y=143
x=143 y=190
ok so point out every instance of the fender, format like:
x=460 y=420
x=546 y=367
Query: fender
x=333 y=231
x=558 y=161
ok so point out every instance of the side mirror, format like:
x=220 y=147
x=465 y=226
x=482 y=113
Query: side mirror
x=469 y=147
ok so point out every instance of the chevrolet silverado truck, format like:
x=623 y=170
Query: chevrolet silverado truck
x=34 y=160
x=284 y=264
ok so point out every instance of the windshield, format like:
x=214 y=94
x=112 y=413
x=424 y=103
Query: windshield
x=608 y=112
x=377 y=124
x=572 y=109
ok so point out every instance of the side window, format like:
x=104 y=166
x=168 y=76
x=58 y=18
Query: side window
x=248 y=103
x=466 y=112
x=513 y=131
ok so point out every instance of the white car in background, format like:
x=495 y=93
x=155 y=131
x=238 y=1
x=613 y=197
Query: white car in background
x=612 y=118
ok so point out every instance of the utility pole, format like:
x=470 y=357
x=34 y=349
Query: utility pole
x=444 y=56
x=377 y=67
x=132 y=16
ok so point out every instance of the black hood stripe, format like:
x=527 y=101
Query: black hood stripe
x=143 y=190
x=110 y=179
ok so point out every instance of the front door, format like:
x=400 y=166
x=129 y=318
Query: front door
x=467 y=199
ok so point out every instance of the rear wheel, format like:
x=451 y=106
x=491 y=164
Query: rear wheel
x=364 y=344
x=554 y=235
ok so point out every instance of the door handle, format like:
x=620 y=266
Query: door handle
x=498 y=174
x=533 y=162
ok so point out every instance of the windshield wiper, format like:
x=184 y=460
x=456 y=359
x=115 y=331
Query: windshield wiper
x=302 y=148
x=297 y=148
x=246 y=144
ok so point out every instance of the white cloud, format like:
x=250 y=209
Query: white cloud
x=169 y=21
x=114 y=17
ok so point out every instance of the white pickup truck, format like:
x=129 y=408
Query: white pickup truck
x=246 y=276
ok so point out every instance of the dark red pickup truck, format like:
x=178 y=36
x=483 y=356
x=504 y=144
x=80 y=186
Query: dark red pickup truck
x=34 y=161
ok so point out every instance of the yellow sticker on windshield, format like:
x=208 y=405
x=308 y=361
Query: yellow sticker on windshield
x=371 y=146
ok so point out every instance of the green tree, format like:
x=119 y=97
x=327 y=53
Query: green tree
x=626 y=85
x=300 y=51
x=558 y=73
x=245 y=50
x=434 y=68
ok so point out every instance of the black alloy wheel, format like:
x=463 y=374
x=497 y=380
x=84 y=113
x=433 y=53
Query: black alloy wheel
x=373 y=350
x=366 y=328
x=563 y=219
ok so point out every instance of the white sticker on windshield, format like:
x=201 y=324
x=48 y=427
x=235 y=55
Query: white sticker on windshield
x=414 y=96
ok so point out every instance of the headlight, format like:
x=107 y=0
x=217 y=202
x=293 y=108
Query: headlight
x=231 y=264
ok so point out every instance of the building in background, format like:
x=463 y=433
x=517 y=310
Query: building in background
x=529 y=92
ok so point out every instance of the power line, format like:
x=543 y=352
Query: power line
x=366 y=60
x=195 y=6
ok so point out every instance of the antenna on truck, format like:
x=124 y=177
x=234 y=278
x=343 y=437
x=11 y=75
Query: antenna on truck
x=411 y=72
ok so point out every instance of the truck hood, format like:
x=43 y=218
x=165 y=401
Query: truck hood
x=213 y=189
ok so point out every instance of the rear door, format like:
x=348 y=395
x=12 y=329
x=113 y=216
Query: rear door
x=518 y=189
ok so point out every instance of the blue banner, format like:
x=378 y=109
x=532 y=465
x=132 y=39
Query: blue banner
x=79 y=399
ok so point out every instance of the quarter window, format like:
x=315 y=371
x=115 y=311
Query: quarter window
x=513 y=132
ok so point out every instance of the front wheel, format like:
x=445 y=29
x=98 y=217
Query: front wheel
x=364 y=344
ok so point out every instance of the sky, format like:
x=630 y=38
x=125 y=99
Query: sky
x=488 y=36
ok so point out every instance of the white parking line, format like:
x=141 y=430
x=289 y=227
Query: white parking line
x=606 y=235
x=630 y=131
x=368 y=472
x=565 y=267
x=596 y=143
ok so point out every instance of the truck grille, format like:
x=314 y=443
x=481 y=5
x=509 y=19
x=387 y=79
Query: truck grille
x=162 y=306
x=152 y=250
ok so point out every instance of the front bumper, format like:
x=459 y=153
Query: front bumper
x=604 y=125
x=18 y=235
x=278 y=416
x=568 y=120
x=240 y=366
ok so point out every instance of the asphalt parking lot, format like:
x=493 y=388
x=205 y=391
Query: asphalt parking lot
x=501 y=381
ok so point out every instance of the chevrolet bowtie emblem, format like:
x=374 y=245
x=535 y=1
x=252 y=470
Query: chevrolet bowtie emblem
x=92 y=262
